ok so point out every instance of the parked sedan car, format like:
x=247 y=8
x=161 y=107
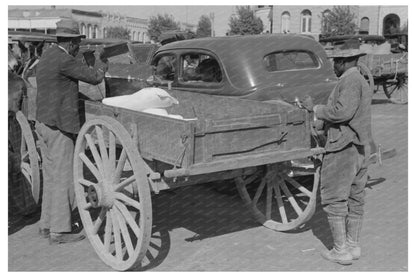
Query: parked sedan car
x=257 y=67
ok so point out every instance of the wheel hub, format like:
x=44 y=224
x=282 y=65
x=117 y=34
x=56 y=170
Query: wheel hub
x=98 y=196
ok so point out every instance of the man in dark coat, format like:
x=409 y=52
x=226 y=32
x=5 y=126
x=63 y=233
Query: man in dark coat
x=347 y=121
x=58 y=73
x=21 y=201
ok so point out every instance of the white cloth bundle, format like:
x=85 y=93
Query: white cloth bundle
x=148 y=100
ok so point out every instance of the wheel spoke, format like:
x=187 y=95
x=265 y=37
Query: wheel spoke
x=120 y=166
x=95 y=154
x=87 y=206
x=128 y=200
x=112 y=151
x=108 y=232
x=124 y=232
x=290 y=198
x=24 y=156
x=125 y=183
x=99 y=220
x=129 y=218
x=259 y=191
x=90 y=166
x=117 y=237
x=269 y=200
x=103 y=149
x=84 y=182
x=297 y=185
x=279 y=200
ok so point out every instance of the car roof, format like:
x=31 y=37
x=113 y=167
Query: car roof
x=245 y=66
x=31 y=36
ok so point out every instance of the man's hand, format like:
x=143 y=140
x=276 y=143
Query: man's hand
x=100 y=53
x=307 y=103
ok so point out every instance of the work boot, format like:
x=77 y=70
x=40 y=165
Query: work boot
x=57 y=238
x=339 y=253
x=354 y=224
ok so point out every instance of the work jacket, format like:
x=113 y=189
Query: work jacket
x=57 y=79
x=347 y=115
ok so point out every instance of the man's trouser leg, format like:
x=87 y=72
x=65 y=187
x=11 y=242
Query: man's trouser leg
x=338 y=172
x=58 y=180
x=356 y=209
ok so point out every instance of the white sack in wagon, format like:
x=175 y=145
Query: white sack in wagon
x=148 y=100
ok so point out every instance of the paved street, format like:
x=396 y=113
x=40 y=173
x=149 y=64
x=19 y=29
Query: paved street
x=199 y=229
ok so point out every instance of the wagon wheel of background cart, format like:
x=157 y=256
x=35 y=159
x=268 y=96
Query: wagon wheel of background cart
x=396 y=89
x=112 y=193
x=280 y=201
x=368 y=76
x=29 y=157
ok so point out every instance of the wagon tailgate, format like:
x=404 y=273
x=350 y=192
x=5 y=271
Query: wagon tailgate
x=161 y=138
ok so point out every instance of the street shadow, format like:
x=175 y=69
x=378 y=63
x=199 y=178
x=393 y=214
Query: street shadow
x=199 y=209
x=380 y=101
x=374 y=182
x=18 y=222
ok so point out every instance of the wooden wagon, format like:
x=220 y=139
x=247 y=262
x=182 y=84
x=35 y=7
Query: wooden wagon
x=123 y=156
x=389 y=71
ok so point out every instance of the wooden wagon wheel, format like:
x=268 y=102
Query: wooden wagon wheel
x=396 y=89
x=368 y=76
x=29 y=157
x=112 y=193
x=280 y=202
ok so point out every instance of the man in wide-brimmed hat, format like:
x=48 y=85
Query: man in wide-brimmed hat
x=58 y=73
x=347 y=120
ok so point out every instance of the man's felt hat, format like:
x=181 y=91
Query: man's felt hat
x=345 y=53
x=67 y=28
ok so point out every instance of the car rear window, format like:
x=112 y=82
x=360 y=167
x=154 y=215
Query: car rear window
x=290 y=60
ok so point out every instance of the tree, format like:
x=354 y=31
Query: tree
x=161 y=23
x=245 y=22
x=118 y=32
x=339 y=21
x=204 y=27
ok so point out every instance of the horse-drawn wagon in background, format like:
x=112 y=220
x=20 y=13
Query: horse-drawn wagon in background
x=235 y=122
x=384 y=65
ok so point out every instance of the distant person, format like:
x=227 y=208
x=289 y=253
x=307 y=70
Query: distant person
x=209 y=71
x=58 y=73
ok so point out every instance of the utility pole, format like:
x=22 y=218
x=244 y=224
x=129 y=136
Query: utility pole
x=212 y=18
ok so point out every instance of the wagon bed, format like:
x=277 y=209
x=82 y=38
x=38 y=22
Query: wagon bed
x=121 y=156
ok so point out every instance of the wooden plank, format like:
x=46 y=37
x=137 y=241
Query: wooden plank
x=243 y=162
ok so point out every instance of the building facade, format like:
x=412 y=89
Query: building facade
x=92 y=24
x=373 y=20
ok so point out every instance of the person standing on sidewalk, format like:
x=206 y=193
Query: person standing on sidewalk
x=58 y=73
x=347 y=119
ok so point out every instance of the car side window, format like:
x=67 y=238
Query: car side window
x=290 y=60
x=200 y=68
x=165 y=68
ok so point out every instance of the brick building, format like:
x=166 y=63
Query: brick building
x=92 y=24
x=373 y=20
